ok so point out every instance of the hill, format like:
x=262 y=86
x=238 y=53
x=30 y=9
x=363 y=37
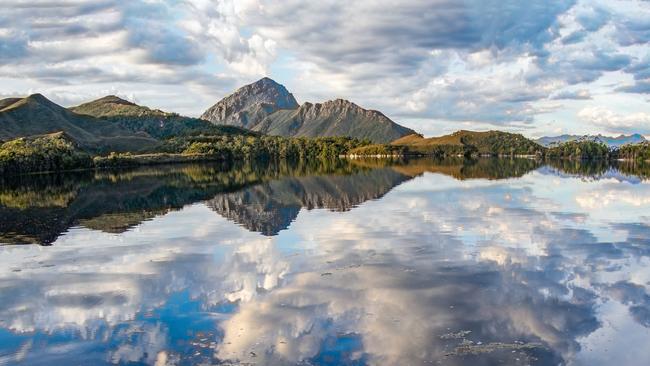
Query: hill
x=154 y=122
x=471 y=143
x=548 y=141
x=268 y=107
x=36 y=115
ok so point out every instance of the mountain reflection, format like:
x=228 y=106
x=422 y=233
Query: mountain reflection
x=264 y=198
x=408 y=263
x=272 y=206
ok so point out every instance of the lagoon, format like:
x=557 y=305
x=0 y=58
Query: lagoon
x=443 y=262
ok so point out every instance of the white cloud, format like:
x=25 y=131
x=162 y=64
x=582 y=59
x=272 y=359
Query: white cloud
x=616 y=122
x=476 y=63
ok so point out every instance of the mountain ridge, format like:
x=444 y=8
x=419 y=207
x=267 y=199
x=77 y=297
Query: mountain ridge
x=615 y=141
x=268 y=107
x=155 y=122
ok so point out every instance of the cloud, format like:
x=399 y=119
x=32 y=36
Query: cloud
x=616 y=122
x=575 y=37
x=487 y=63
x=164 y=44
x=593 y=18
x=641 y=87
x=581 y=94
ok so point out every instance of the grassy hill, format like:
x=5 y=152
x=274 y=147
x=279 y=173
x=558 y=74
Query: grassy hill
x=36 y=115
x=154 y=122
x=464 y=142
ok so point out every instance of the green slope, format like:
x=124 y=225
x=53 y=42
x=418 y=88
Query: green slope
x=154 y=122
x=36 y=115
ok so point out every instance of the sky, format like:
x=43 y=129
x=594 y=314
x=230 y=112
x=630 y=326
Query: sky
x=535 y=67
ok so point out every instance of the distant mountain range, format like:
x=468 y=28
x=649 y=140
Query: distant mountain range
x=268 y=107
x=621 y=140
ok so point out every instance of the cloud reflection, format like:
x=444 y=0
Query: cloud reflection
x=511 y=261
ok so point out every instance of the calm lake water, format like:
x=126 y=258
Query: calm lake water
x=353 y=263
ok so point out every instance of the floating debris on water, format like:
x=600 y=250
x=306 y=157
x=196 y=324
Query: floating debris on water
x=458 y=335
x=469 y=348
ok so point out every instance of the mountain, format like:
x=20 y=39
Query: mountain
x=36 y=115
x=607 y=140
x=250 y=104
x=267 y=107
x=470 y=143
x=154 y=122
x=333 y=118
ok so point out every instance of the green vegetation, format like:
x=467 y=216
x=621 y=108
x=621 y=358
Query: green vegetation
x=153 y=122
x=579 y=150
x=122 y=160
x=237 y=147
x=45 y=153
x=36 y=115
x=636 y=152
x=470 y=143
x=59 y=152
x=378 y=150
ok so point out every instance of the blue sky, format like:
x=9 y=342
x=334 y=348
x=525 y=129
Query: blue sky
x=537 y=67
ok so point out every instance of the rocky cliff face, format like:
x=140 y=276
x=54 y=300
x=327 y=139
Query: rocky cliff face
x=268 y=107
x=250 y=104
x=333 y=118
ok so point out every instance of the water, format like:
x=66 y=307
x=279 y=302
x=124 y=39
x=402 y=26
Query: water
x=412 y=263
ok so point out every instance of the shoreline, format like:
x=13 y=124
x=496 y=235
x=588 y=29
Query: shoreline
x=120 y=161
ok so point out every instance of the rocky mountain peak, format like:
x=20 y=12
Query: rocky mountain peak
x=267 y=107
x=250 y=104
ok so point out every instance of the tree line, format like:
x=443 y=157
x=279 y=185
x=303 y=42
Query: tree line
x=58 y=152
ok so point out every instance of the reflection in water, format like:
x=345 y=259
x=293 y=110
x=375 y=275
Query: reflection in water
x=38 y=208
x=422 y=262
x=272 y=206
